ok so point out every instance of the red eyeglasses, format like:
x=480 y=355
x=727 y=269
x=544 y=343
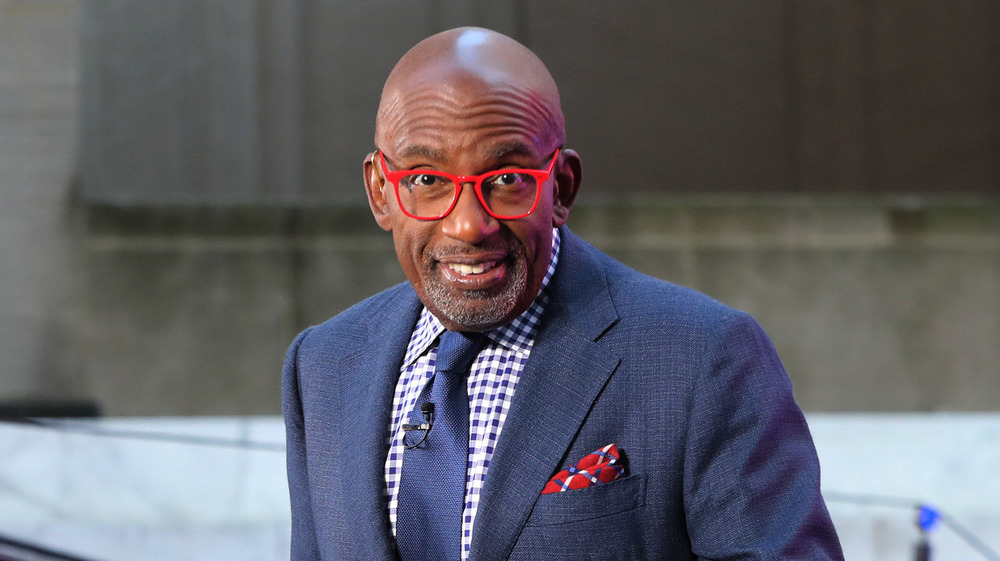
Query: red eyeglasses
x=506 y=194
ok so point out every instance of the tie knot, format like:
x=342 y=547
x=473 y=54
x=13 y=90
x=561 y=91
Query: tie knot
x=457 y=349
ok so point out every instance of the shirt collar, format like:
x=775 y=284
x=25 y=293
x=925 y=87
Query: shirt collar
x=517 y=336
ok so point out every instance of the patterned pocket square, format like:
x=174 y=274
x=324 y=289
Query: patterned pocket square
x=597 y=468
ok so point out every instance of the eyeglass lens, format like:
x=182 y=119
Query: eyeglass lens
x=430 y=195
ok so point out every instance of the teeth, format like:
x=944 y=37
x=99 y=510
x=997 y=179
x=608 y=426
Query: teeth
x=464 y=269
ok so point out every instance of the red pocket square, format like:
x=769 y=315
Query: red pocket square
x=597 y=468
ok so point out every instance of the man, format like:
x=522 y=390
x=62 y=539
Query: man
x=670 y=413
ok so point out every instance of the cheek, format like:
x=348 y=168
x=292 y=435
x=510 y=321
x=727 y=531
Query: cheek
x=537 y=242
x=410 y=243
x=407 y=249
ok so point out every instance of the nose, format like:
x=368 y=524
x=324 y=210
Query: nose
x=468 y=221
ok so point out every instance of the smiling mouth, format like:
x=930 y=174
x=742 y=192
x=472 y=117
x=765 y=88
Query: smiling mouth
x=477 y=269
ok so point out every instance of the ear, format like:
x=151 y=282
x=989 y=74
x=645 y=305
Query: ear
x=568 y=174
x=375 y=187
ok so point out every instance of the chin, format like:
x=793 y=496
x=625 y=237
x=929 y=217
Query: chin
x=477 y=310
x=477 y=314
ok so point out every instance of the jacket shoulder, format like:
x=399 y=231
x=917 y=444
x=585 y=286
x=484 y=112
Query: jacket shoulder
x=644 y=299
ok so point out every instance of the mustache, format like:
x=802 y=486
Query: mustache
x=508 y=248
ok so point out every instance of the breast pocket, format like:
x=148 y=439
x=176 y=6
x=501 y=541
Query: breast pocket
x=600 y=522
x=588 y=503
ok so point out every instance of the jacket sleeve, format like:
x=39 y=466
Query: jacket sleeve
x=304 y=543
x=752 y=478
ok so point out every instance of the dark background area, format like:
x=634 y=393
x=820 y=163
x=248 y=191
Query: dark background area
x=180 y=186
x=271 y=101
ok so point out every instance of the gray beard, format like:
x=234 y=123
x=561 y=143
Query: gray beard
x=480 y=309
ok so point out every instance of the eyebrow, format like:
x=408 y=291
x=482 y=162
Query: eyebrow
x=499 y=152
x=422 y=151
x=513 y=148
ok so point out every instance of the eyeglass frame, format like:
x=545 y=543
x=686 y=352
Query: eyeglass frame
x=540 y=176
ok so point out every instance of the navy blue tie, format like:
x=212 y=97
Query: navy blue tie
x=432 y=483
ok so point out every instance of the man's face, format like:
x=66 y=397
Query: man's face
x=473 y=271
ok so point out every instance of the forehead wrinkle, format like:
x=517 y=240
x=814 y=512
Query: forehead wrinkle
x=522 y=119
x=459 y=95
x=453 y=100
x=440 y=116
x=508 y=100
x=425 y=144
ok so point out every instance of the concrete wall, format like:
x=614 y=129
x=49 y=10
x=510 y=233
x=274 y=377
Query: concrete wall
x=874 y=304
x=39 y=271
x=271 y=101
x=876 y=301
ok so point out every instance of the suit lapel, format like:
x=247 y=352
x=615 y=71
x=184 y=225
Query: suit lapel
x=563 y=377
x=368 y=404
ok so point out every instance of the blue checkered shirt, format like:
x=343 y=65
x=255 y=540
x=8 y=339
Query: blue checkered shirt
x=492 y=380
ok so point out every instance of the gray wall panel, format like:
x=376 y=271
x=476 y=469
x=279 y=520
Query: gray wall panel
x=670 y=97
x=876 y=302
x=272 y=101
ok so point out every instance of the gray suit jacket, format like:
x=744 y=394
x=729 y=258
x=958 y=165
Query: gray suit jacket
x=720 y=464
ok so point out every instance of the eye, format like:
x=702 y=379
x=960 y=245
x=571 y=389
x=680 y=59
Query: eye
x=423 y=180
x=506 y=179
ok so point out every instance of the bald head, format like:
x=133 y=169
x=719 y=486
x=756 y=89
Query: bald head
x=462 y=66
x=465 y=104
